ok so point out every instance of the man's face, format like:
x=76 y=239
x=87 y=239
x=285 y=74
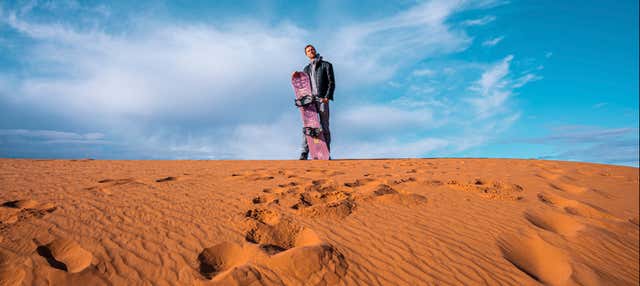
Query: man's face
x=311 y=52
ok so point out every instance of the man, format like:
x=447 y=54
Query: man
x=322 y=86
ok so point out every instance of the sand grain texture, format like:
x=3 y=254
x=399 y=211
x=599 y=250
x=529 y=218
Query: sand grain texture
x=342 y=222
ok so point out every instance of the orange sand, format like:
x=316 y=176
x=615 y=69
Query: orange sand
x=349 y=222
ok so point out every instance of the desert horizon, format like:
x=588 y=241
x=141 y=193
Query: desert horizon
x=447 y=221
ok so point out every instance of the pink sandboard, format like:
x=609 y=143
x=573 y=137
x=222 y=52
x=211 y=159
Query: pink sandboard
x=317 y=147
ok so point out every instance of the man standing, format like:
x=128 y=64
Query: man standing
x=322 y=86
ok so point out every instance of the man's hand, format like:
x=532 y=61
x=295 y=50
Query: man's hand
x=325 y=100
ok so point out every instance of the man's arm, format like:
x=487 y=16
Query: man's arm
x=332 y=84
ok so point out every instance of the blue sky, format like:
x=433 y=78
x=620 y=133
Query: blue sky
x=210 y=79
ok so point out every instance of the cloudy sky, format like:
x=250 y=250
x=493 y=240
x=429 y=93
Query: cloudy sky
x=211 y=79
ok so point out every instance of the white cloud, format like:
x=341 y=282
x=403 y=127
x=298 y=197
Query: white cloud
x=424 y=72
x=492 y=42
x=492 y=79
x=495 y=87
x=480 y=21
x=521 y=81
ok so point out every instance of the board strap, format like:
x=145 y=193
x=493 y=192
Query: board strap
x=311 y=131
x=305 y=100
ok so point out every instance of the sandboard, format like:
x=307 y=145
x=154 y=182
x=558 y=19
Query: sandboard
x=310 y=119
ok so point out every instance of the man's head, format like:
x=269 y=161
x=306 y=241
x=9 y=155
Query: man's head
x=310 y=51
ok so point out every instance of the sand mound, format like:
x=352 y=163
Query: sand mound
x=66 y=254
x=219 y=258
x=319 y=264
x=554 y=221
x=283 y=235
x=537 y=258
x=245 y=275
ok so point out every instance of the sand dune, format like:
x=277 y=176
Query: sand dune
x=343 y=222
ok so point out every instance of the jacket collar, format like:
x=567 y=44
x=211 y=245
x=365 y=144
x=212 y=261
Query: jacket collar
x=316 y=60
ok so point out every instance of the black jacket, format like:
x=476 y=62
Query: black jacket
x=324 y=78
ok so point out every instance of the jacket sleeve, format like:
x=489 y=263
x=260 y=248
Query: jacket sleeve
x=332 y=85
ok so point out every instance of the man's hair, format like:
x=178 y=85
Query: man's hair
x=309 y=45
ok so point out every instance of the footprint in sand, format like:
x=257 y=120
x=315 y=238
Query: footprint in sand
x=385 y=193
x=117 y=182
x=8 y=217
x=436 y=183
x=266 y=198
x=548 y=176
x=554 y=221
x=21 y=204
x=576 y=190
x=320 y=198
x=403 y=180
x=325 y=203
x=106 y=186
x=10 y=272
x=274 y=195
x=359 y=182
x=19 y=210
x=253 y=176
x=568 y=188
x=282 y=235
x=166 y=179
x=100 y=190
x=173 y=178
x=280 y=252
x=322 y=185
x=266 y=216
x=575 y=207
x=66 y=254
x=219 y=258
x=289 y=184
x=537 y=258
x=370 y=189
x=495 y=190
